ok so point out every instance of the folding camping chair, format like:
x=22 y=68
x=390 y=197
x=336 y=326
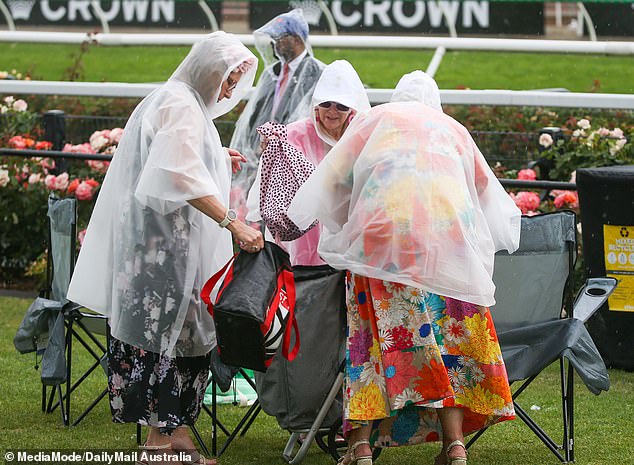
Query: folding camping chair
x=538 y=321
x=80 y=325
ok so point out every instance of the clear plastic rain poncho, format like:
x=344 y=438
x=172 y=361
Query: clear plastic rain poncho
x=338 y=83
x=147 y=252
x=293 y=105
x=406 y=196
x=417 y=86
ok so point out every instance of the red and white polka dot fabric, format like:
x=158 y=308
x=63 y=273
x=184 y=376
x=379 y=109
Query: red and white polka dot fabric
x=283 y=170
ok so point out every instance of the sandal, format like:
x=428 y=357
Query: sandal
x=354 y=459
x=456 y=460
x=195 y=457
x=148 y=452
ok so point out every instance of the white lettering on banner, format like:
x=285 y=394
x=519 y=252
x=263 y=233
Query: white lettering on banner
x=387 y=13
x=134 y=9
x=477 y=10
x=49 y=13
x=131 y=10
x=341 y=19
x=408 y=21
x=112 y=13
x=79 y=6
x=379 y=10
x=166 y=7
x=436 y=18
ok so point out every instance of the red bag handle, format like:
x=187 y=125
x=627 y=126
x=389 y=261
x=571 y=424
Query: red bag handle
x=286 y=281
x=211 y=283
x=289 y=283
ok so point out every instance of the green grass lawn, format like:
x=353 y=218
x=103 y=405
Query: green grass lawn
x=377 y=68
x=604 y=427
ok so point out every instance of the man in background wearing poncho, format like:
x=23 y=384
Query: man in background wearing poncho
x=282 y=94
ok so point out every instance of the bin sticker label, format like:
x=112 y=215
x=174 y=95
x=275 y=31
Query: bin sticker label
x=618 y=248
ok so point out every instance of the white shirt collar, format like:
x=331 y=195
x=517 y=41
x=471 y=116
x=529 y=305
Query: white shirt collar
x=294 y=63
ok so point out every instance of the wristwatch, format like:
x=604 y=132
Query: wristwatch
x=229 y=217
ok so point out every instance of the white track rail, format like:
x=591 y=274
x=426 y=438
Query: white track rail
x=448 y=97
x=340 y=41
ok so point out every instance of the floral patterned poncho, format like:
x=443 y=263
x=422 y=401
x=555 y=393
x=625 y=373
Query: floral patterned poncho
x=406 y=196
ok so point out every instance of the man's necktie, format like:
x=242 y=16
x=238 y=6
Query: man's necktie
x=283 y=80
x=280 y=88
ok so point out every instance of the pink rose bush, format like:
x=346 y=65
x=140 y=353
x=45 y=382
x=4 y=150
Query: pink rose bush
x=531 y=203
x=26 y=183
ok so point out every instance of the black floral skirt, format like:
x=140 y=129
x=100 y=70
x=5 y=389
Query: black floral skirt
x=153 y=389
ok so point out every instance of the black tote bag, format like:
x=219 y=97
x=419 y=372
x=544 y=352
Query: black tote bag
x=254 y=309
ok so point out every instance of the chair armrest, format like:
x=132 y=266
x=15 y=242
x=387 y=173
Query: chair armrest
x=592 y=296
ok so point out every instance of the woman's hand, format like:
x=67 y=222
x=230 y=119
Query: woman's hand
x=236 y=159
x=264 y=142
x=249 y=239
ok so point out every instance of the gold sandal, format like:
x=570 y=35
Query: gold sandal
x=354 y=459
x=456 y=460
x=195 y=458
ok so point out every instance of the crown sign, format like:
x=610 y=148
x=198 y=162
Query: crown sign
x=310 y=10
x=20 y=9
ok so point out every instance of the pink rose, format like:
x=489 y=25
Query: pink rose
x=115 y=135
x=545 y=140
x=81 y=148
x=35 y=178
x=527 y=175
x=49 y=182
x=567 y=199
x=583 y=123
x=20 y=105
x=47 y=164
x=4 y=177
x=61 y=182
x=18 y=142
x=617 y=132
x=98 y=166
x=83 y=191
x=526 y=201
x=99 y=140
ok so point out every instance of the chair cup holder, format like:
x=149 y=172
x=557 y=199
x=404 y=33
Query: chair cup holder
x=596 y=291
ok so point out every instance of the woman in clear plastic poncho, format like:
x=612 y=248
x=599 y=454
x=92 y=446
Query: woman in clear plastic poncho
x=339 y=96
x=154 y=239
x=410 y=207
x=282 y=43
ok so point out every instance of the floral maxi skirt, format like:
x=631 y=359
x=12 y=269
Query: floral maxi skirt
x=410 y=352
x=153 y=389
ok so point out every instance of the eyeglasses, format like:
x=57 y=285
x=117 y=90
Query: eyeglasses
x=339 y=106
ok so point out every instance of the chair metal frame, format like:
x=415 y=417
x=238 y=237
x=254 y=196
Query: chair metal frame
x=73 y=319
x=589 y=299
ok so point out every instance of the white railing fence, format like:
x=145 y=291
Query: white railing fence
x=529 y=98
x=338 y=41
